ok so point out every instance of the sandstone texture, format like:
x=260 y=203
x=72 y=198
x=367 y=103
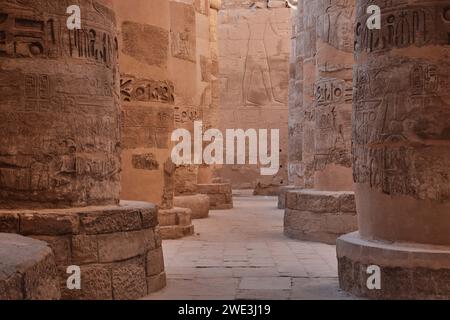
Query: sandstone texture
x=27 y=269
x=60 y=138
x=254 y=72
x=401 y=153
x=117 y=247
x=175 y=223
x=320 y=106
x=198 y=204
x=220 y=195
x=319 y=216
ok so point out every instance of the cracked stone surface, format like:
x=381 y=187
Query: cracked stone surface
x=243 y=254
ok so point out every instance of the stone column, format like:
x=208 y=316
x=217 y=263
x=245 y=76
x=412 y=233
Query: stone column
x=148 y=102
x=295 y=103
x=60 y=149
x=327 y=210
x=401 y=153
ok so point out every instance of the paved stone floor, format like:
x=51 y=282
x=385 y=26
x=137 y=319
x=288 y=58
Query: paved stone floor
x=243 y=254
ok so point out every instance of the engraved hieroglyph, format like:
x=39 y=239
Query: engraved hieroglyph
x=60 y=139
x=254 y=68
x=147 y=101
x=401 y=152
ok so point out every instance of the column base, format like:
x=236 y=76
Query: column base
x=220 y=195
x=198 y=203
x=407 y=270
x=175 y=223
x=282 y=195
x=320 y=216
x=118 y=248
x=27 y=269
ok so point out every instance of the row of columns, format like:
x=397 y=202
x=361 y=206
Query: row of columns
x=396 y=141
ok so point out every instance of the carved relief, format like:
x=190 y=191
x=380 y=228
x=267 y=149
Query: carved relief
x=146 y=127
x=397 y=109
x=132 y=89
x=404 y=26
x=59 y=139
x=144 y=162
x=24 y=34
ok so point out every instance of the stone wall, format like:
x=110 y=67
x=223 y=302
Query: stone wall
x=254 y=66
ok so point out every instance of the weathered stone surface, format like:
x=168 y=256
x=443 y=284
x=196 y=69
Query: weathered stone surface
x=220 y=195
x=176 y=231
x=61 y=247
x=318 y=215
x=43 y=223
x=156 y=282
x=128 y=280
x=147 y=100
x=146 y=43
x=84 y=249
x=9 y=222
x=59 y=148
x=199 y=205
x=155 y=262
x=254 y=74
x=175 y=223
x=95 y=283
x=408 y=271
x=401 y=153
x=27 y=269
x=282 y=195
x=106 y=221
x=124 y=245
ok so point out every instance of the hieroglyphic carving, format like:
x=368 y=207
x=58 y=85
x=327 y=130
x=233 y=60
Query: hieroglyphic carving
x=186 y=115
x=25 y=34
x=401 y=27
x=335 y=26
x=59 y=139
x=183 y=31
x=144 y=161
x=146 y=126
x=332 y=122
x=392 y=117
x=132 y=89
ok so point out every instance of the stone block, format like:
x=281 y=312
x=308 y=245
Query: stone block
x=198 y=204
x=61 y=246
x=9 y=222
x=156 y=283
x=27 y=269
x=95 y=283
x=84 y=249
x=108 y=221
x=129 y=280
x=155 y=262
x=52 y=224
x=124 y=245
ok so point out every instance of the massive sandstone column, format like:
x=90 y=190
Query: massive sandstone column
x=148 y=103
x=327 y=210
x=401 y=153
x=295 y=103
x=60 y=149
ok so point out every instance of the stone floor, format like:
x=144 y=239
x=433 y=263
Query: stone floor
x=243 y=254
